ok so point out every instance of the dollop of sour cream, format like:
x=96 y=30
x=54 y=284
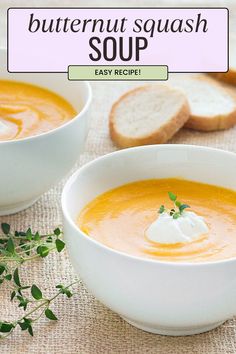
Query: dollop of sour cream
x=167 y=230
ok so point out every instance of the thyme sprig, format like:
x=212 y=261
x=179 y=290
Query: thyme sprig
x=15 y=249
x=178 y=208
x=41 y=306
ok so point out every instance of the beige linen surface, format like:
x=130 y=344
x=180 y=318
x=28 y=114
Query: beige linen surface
x=85 y=325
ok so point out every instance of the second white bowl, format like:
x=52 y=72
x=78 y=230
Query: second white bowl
x=157 y=296
x=30 y=166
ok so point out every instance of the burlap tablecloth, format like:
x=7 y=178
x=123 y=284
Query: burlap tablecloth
x=85 y=325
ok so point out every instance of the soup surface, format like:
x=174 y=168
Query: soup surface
x=119 y=218
x=27 y=110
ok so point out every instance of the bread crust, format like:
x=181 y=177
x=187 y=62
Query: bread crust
x=219 y=122
x=229 y=77
x=159 y=136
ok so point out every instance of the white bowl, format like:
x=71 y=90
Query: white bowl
x=30 y=166
x=160 y=297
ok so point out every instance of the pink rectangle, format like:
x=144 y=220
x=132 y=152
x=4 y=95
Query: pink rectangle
x=205 y=49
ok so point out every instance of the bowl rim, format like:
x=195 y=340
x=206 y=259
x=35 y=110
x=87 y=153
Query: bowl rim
x=110 y=250
x=84 y=109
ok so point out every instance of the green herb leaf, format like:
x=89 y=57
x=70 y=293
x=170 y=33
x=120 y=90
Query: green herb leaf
x=30 y=330
x=13 y=294
x=29 y=234
x=16 y=277
x=23 y=302
x=23 y=325
x=172 y=196
x=43 y=251
x=59 y=245
x=161 y=209
x=5 y=228
x=2 y=268
x=68 y=293
x=57 y=231
x=59 y=286
x=6 y=327
x=182 y=207
x=64 y=290
x=37 y=236
x=36 y=292
x=50 y=315
x=10 y=246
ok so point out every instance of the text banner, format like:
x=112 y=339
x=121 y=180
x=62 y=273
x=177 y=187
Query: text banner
x=51 y=39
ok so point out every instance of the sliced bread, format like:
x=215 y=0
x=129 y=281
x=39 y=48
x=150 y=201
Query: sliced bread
x=149 y=114
x=230 y=76
x=212 y=105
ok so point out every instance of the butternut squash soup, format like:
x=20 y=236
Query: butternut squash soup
x=28 y=110
x=166 y=219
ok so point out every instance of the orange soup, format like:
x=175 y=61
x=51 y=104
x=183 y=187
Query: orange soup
x=119 y=218
x=27 y=110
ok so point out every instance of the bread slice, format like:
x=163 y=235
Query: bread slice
x=212 y=105
x=149 y=114
x=230 y=76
